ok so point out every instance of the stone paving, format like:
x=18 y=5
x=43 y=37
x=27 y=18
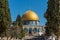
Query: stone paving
x=38 y=38
x=32 y=38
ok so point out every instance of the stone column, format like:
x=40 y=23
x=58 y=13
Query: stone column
x=28 y=31
x=37 y=31
x=32 y=31
x=42 y=29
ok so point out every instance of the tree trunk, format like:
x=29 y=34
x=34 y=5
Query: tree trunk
x=10 y=38
x=1 y=38
x=59 y=38
x=7 y=37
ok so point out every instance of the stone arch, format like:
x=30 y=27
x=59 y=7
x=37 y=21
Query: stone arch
x=39 y=29
x=35 y=30
x=30 y=30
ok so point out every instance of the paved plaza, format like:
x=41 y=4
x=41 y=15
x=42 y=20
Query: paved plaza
x=33 y=38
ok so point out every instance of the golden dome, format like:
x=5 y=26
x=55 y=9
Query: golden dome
x=30 y=15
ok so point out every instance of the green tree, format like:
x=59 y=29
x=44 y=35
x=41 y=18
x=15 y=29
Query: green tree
x=19 y=20
x=53 y=18
x=22 y=34
x=19 y=23
x=19 y=26
x=5 y=18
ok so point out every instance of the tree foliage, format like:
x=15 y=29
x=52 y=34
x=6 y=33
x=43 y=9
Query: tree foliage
x=5 y=18
x=19 y=20
x=22 y=33
x=53 y=18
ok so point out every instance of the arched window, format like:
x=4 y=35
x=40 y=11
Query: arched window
x=35 y=30
x=39 y=29
x=30 y=30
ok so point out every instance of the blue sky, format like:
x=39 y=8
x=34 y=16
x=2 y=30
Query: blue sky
x=21 y=6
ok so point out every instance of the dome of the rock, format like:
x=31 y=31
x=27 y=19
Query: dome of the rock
x=30 y=15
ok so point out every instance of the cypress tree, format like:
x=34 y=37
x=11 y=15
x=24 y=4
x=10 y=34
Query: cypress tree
x=53 y=18
x=18 y=25
x=5 y=18
x=19 y=20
